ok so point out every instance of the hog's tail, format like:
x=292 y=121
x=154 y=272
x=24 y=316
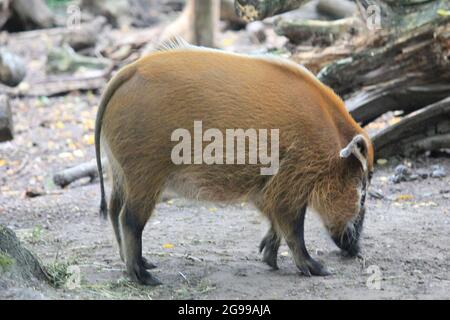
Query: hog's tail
x=123 y=76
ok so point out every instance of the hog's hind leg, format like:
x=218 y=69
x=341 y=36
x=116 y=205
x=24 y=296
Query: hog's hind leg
x=269 y=247
x=132 y=223
x=115 y=206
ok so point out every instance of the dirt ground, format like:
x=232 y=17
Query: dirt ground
x=205 y=250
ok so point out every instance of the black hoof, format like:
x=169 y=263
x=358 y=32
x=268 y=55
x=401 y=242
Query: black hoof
x=147 y=264
x=144 y=277
x=269 y=253
x=271 y=259
x=313 y=268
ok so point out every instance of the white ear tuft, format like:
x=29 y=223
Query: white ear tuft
x=357 y=147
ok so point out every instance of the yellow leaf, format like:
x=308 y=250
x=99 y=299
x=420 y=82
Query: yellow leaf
x=59 y=125
x=443 y=13
x=394 y=120
x=89 y=139
x=2 y=163
x=382 y=162
x=285 y=254
x=88 y=124
x=212 y=209
x=404 y=197
x=227 y=42
x=168 y=246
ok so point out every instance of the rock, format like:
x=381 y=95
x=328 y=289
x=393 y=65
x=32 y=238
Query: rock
x=438 y=172
x=401 y=170
x=401 y=173
x=376 y=194
x=12 y=68
x=19 y=268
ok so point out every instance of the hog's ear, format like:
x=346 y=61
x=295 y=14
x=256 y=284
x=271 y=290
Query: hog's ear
x=359 y=148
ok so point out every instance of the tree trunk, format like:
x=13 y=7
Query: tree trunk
x=33 y=13
x=205 y=22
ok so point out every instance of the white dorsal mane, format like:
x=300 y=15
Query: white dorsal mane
x=174 y=43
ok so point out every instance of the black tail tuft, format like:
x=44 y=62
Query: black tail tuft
x=103 y=209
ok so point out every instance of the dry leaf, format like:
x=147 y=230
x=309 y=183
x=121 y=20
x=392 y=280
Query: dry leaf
x=59 y=125
x=89 y=139
x=404 y=197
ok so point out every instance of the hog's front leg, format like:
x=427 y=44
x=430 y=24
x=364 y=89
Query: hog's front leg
x=294 y=234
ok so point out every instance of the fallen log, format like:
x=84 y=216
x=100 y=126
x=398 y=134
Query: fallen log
x=407 y=73
x=85 y=35
x=72 y=36
x=322 y=32
x=405 y=94
x=421 y=52
x=84 y=170
x=31 y=14
x=251 y=10
x=6 y=123
x=118 y=12
x=5 y=12
x=66 y=60
x=54 y=86
x=427 y=129
x=317 y=58
x=337 y=9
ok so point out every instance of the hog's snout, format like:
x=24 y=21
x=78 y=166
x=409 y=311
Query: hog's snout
x=348 y=240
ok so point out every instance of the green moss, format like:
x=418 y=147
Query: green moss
x=5 y=261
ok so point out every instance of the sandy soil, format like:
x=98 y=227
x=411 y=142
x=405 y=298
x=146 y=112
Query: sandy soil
x=205 y=250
